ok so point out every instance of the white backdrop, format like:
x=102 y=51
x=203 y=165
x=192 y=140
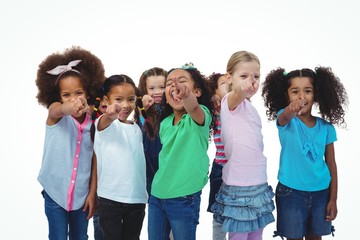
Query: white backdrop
x=132 y=36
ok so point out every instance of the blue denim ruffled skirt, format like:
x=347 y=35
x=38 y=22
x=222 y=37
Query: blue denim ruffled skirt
x=244 y=209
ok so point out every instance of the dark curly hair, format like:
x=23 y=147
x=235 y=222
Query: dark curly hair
x=213 y=82
x=151 y=115
x=329 y=92
x=205 y=98
x=90 y=70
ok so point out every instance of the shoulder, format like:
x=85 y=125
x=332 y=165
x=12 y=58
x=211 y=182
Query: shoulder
x=325 y=124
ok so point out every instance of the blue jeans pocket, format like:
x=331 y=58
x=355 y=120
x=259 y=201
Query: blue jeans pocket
x=282 y=190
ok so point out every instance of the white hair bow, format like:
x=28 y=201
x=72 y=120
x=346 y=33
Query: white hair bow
x=64 y=68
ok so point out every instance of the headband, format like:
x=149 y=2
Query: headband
x=61 y=69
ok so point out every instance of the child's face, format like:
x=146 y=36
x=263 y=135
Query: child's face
x=302 y=88
x=221 y=90
x=155 y=87
x=71 y=88
x=102 y=106
x=124 y=95
x=183 y=78
x=246 y=73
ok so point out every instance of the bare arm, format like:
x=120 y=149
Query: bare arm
x=110 y=115
x=330 y=161
x=90 y=202
x=57 y=110
x=190 y=102
x=291 y=111
x=241 y=90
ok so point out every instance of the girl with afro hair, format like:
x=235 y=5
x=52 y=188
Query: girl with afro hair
x=67 y=84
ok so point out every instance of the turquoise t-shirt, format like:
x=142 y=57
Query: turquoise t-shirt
x=183 y=159
x=302 y=157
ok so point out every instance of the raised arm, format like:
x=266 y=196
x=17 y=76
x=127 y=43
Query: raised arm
x=111 y=114
x=189 y=99
x=76 y=108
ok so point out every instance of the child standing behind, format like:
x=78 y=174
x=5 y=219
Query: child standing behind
x=151 y=88
x=65 y=82
x=121 y=187
x=307 y=190
x=244 y=203
x=183 y=161
x=218 y=88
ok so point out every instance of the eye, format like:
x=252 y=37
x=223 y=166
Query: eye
x=169 y=83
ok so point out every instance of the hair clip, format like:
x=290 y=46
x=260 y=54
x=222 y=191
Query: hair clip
x=142 y=109
x=95 y=109
x=285 y=73
x=188 y=66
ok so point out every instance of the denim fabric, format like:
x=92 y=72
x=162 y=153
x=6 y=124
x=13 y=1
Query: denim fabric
x=244 y=209
x=215 y=183
x=151 y=150
x=64 y=224
x=301 y=213
x=98 y=233
x=120 y=220
x=181 y=215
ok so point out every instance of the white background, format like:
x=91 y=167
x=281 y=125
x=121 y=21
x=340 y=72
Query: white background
x=132 y=36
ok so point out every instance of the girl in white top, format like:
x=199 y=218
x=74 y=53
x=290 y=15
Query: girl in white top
x=121 y=166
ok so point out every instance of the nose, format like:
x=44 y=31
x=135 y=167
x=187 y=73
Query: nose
x=125 y=104
x=301 y=95
x=157 y=90
x=252 y=78
x=73 y=97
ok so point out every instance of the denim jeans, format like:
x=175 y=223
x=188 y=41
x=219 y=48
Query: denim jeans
x=181 y=215
x=120 y=220
x=215 y=183
x=63 y=223
x=98 y=233
x=301 y=213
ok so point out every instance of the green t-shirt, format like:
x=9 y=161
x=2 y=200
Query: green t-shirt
x=183 y=159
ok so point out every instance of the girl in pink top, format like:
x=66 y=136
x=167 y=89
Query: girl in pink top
x=244 y=203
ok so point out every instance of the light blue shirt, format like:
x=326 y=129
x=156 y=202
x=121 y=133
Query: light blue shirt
x=66 y=165
x=302 y=162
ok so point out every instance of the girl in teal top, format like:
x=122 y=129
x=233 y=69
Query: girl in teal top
x=307 y=190
x=183 y=161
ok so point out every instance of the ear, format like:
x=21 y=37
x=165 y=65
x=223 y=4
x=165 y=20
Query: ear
x=228 y=78
x=197 y=92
